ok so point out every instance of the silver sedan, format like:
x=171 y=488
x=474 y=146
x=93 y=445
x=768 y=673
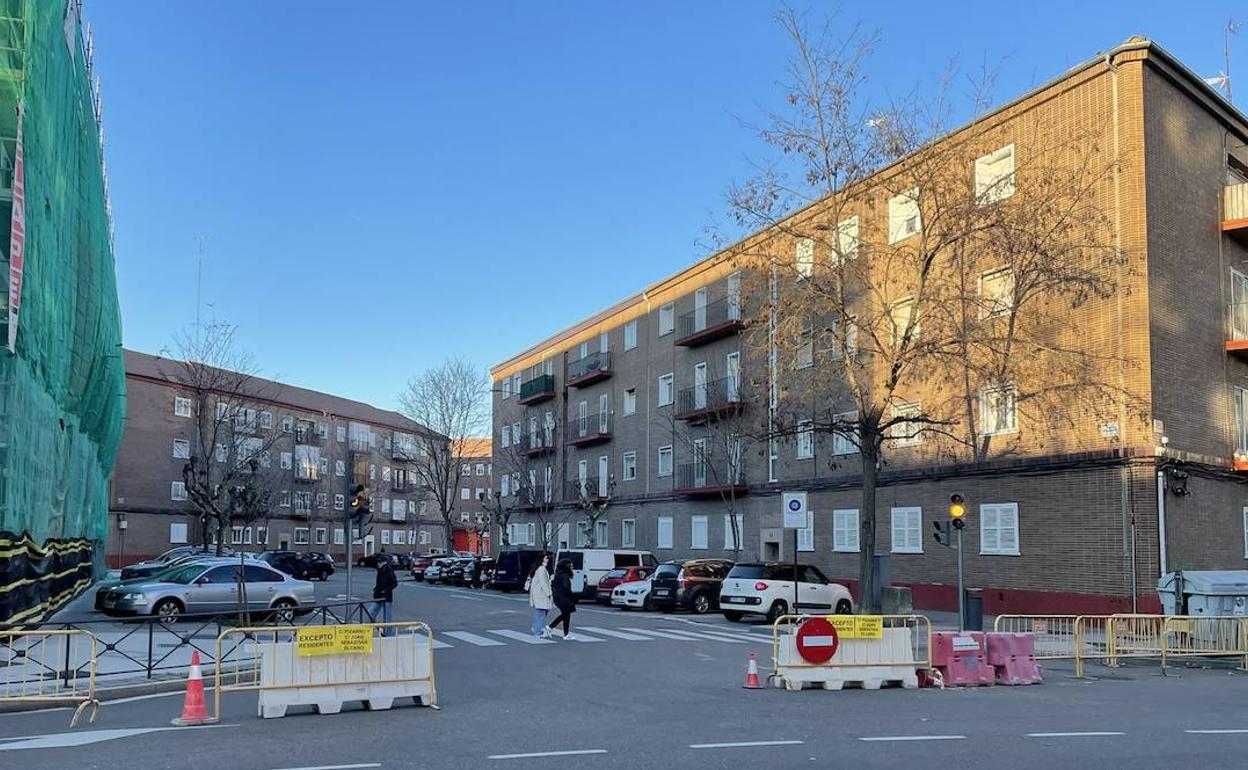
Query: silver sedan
x=211 y=586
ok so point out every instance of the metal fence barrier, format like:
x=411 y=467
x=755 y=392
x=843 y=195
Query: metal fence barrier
x=239 y=656
x=917 y=653
x=49 y=666
x=1205 y=637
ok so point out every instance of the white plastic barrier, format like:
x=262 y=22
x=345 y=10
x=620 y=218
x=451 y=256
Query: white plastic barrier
x=868 y=663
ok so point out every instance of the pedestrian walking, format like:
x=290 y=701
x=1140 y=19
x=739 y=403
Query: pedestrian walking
x=383 y=593
x=565 y=600
x=540 y=598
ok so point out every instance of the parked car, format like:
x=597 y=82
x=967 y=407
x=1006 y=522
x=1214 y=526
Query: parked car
x=767 y=589
x=166 y=559
x=590 y=564
x=420 y=564
x=298 y=565
x=371 y=560
x=513 y=567
x=434 y=572
x=211 y=586
x=619 y=576
x=323 y=561
x=693 y=585
x=634 y=595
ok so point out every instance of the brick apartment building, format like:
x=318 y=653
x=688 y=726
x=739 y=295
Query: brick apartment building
x=317 y=446
x=472 y=525
x=1083 y=515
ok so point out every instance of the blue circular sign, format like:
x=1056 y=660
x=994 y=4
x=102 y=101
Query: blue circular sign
x=795 y=505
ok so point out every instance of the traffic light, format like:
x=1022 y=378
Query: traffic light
x=957 y=510
x=361 y=510
x=942 y=532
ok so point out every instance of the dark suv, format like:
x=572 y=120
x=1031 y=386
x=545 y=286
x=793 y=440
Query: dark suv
x=692 y=585
x=513 y=567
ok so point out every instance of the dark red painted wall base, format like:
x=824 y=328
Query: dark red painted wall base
x=1009 y=601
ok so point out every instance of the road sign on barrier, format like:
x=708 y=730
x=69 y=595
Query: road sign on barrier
x=817 y=640
x=334 y=640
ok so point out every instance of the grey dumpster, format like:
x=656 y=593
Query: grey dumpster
x=1204 y=592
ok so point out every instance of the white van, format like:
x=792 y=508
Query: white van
x=590 y=564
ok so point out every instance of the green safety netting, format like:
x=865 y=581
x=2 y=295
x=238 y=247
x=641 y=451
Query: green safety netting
x=62 y=393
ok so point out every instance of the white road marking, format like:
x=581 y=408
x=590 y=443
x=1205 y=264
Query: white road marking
x=1090 y=734
x=707 y=635
x=1217 y=732
x=548 y=754
x=577 y=636
x=438 y=644
x=888 y=738
x=471 y=638
x=466 y=598
x=334 y=767
x=520 y=636
x=660 y=634
x=86 y=738
x=617 y=634
x=742 y=744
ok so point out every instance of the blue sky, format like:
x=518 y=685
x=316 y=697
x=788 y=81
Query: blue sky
x=383 y=184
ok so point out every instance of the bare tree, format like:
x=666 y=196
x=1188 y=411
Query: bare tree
x=499 y=511
x=452 y=401
x=884 y=335
x=223 y=474
x=535 y=480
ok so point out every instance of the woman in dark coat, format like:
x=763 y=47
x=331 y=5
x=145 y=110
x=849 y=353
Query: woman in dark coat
x=565 y=600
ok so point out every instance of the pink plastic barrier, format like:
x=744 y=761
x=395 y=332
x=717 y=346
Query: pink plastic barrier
x=1013 y=656
x=960 y=658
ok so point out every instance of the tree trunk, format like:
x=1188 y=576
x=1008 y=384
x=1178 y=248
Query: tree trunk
x=870 y=452
x=449 y=531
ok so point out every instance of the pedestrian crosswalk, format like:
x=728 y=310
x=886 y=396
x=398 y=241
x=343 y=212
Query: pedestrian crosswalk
x=502 y=637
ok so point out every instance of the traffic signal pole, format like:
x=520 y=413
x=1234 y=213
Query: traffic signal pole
x=961 y=588
x=346 y=529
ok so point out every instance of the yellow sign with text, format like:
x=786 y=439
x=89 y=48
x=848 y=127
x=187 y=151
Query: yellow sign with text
x=334 y=640
x=858 y=626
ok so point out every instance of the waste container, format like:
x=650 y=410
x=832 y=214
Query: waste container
x=1204 y=592
x=974 y=609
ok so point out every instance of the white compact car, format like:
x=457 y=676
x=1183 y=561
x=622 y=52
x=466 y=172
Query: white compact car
x=634 y=595
x=768 y=589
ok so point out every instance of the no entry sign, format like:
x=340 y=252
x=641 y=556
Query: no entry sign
x=817 y=640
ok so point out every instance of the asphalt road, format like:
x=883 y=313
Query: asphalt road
x=663 y=691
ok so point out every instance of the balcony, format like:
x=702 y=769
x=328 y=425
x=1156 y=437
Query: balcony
x=710 y=477
x=534 y=498
x=590 y=369
x=1235 y=212
x=707 y=324
x=1237 y=330
x=538 y=389
x=712 y=401
x=538 y=444
x=591 y=429
x=591 y=489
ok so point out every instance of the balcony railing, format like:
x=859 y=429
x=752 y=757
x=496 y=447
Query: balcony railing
x=1235 y=212
x=711 y=476
x=706 y=324
x=1237 y=330
x=593 y=428
x=587 y=490
x=534 y=497
x=590 y=369
x=308 y=437
x=537 y=389
x=538 y=444
x=713 y=400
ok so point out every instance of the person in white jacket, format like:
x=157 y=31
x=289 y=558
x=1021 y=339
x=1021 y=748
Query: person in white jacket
x=540 y=597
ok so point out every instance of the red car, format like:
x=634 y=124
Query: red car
x=608 y=582
x=420 y=564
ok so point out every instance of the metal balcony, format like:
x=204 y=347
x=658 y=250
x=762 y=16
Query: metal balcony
x=707 y=324
x=590 y=489
x=1237 y=330
x=712 y=401
x=538 y=444
x=710 y=477
x=588 y=370
x=1235 y=212
x=594 y=428
x=538 y=389
x=534 y=498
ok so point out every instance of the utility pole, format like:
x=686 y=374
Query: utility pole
x=1231 y=28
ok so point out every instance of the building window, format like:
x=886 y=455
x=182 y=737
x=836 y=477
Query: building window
x=424 y=538
x=177 y=532
x=1241 y=420
x=324 y=465
x=288 y=461
x=601 y=534
x=506 y=436
x=322 y=500
x=630 y=466
x=506 y=388
x=177 y=490
x=906 y=431
x=385 y=505
x=266 y=459
x=398 y=510
x=900 y=319
x=805 y=440
x=266 y=420
x=667 y=319
x=262 y=535
x=480 y=469
x=996 y=292
x=998 y=529
x=504 y=485
x=630 y=334
x=847 y=344
x=465 y=493
x=665 y=532
x=515 y=383
x=843 y=438
x=907 y=530
x=400 y=537
x=804 y=258
x=847 y=239
x=630 y=401
x=284 y=498
x=904 y=219
x=667 y=389
x=999 y=410
x=181 y=449
x=222 y=453
x=301 y=535
x=288 y=424
x=340 y=434
x=340 y=502
x=697 y=533
x=806 y=535
x=340 y=468
x=321 y=536
x=994 y=176
x=181 y=406
x=628 y=532
x=223 y=409
x=340 y=536
x=385 y=537
x=734 y=541
x=665 y=461
x=582 y=534
x=372 y=472
x=806 y=350
x=236 y=535
x=845 y=530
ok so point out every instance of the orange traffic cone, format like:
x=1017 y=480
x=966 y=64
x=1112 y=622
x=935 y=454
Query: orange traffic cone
x=751 y=674
x=193 y=710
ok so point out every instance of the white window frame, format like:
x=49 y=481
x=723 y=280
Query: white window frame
x=664 y=533
x=805 y=440
x=994 y=176
x=262 y=535
x=283 y=498
x=806 y=535
x=805 y=357
x=728 y=544
x=908 y=521
x=178 y=534
x=665 y=451
x=506 y=436
x=999 y=303
x=667 y=319
x=465 y=493
x=696 y=523
x=630 y=401
x=1240 y=403
x=841 y=444
x=287 y=461
x=288 y=424
x=602 y=534
x=266 y=420
x=804 y=258
x=321 y=536
x=844 y=525
x=340 y=468
x=340 y=433
x=1246 y=531
x=340 y=502
x=847 y=238
x=630 y=334
x=302 y=536
x=177 y=491
x=903 y=209
x=667 y=387
x=385 y=537
x=905 y=428
x=628 y=466
x=181 y=406
x=236 y=535
x=181 y=449
x=992 y=527
x=987 y=419
x=628 y=533
x=898 y=317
